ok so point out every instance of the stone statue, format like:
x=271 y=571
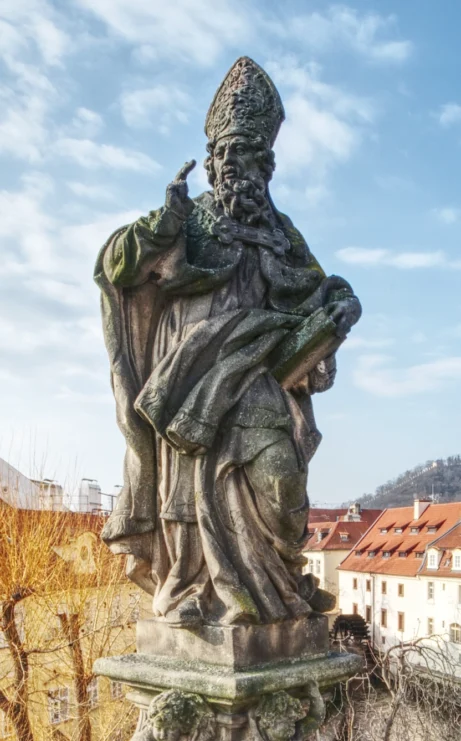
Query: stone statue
x=220 y=326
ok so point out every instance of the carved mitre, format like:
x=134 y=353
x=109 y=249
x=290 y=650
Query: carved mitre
x=247 y=103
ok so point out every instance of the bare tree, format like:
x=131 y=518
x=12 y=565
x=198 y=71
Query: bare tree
x=64 y=602
x=411 y=692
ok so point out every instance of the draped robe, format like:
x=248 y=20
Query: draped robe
x=189 y=326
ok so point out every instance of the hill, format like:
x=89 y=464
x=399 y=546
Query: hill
x=440 y=477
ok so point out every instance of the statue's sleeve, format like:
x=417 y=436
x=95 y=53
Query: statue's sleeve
x=132 y=253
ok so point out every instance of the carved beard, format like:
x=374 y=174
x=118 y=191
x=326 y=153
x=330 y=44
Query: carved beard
x=245 y=200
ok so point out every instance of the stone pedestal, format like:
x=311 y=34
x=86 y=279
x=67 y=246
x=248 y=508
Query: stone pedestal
x=230 y=683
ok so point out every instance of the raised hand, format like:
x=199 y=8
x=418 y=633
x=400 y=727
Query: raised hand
x=177 y=193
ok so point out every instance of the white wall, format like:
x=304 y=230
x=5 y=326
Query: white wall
x=444 y=608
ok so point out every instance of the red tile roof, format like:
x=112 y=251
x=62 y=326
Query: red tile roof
x=442 y=516
x=332 y=541
x=446 y=543
x=316 y=514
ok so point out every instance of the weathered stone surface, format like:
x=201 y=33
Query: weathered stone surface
x=236 y=646
x=220 y=326
x=224 y=684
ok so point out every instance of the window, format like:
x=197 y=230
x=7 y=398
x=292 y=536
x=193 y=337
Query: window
x=457 y=561
x=430 y=626
x=432 y=561
x=355 y=609
x=430 y=590
x=401 y=621
x=371 y=554
x=58 y=705
x=384 y=618
x=355 y=584
x=6 y=726
x=386 y=554
x=358 y=553
x=317 y=566
x=134 y=607
x=344 y=536
x=432 y=529
x=116 y=610
x=92 y=692
x=400 y=590
x=402 y=554
x=116 y=690
x=414 y=530
x=455 y=633
x=384 y=587
x=419 y=554
x=368 y=614
x=398 y=530
x=383 y=640
x=383 y=530
x=459 y=594
x=311 y=565
x=368 y=585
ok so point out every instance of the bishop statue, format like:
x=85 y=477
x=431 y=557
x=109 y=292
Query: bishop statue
x=220 y=327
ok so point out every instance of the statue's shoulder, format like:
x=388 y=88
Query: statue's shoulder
x=298 y=244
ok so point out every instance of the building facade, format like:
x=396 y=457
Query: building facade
x=404 y=577
x=332 y=539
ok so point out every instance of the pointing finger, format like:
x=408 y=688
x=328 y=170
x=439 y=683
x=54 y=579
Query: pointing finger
x=184 y=171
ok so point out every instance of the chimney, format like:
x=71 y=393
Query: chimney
x=419 y=506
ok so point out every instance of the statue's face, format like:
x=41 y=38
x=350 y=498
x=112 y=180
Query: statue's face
x=234 y=157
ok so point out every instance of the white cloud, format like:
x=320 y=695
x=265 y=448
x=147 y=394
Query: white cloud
x=86 y=123
x=156 y=106
x=34 y=23
x=375 y=374
x=405 y=260
x=447 y=214
x=99 y=192
x=324 y=124
x=357 y=342
x=366 y=34
x=87 y=153
x=197 y=31
x=23 y=123
x=450 y=114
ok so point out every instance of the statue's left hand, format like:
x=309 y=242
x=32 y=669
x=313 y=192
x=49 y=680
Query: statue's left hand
x=345 y=314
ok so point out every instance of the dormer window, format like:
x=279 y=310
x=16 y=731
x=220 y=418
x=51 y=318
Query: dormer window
x=414 y=530
x=386 y=554
x=402 y=554
x=419 y=554
x=432 y=561
x=383 y=530
x=457 y=562
x=432 y=529
x=371 y=554
x=358 y=553
x=344 y=536
x=398 y=530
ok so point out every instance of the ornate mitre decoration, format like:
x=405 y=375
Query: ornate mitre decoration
x=247 y=103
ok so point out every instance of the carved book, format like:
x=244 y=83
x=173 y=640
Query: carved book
x=313 y=340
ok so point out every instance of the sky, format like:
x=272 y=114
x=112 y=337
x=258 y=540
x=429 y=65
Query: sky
x=102 y=101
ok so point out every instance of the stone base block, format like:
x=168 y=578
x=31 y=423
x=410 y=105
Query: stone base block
x=200 y=701
x=236 y=646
